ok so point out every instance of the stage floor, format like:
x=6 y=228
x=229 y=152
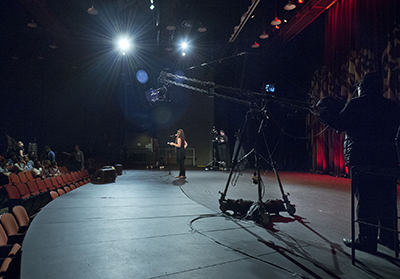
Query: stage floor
x=149 y=225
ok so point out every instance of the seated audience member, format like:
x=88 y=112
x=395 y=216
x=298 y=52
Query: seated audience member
x=46 y=168
x=19 y=165
x=3 y=166
x=38 y=170
x=29 y=163
x=11 y=160
x=53 y=170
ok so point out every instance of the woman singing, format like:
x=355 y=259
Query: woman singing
x=180 y=144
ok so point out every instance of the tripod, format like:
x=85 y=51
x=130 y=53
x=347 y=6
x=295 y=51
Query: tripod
x=214 y=163
x=259 y=211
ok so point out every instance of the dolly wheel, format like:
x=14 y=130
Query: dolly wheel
x=222 y=206
x=265 y=219
x=291 y=209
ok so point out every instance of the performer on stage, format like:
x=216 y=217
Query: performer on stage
x=371 y=123
x=223 y=148
x=180 y=146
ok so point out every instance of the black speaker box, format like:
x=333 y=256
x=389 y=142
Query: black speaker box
x=104 y=175
x=119 y=168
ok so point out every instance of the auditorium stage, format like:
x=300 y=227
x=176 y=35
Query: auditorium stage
x=149 y=225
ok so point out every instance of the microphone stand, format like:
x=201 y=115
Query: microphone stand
x=168 y=161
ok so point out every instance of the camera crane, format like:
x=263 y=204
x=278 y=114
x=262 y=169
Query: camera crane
x=259 y=210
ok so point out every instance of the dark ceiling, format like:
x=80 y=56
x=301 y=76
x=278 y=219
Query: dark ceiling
x=80 y=36
x=67 y=69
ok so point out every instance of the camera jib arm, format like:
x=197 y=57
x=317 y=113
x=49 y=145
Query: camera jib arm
x=257 y=104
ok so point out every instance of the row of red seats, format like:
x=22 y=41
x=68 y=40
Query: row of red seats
x=34 y=193
x=26 y=196
x=12 y=232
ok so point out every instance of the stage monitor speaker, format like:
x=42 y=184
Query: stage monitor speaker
x=106 y=174
x=119 y=168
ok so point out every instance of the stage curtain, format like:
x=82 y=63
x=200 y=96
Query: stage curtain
x=360 y=36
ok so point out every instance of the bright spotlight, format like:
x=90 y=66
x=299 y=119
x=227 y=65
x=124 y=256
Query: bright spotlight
x=184 y=45
x=124 y=44
x=183 y=54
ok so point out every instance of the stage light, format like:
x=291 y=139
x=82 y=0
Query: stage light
x=201 y=28
x=32 y=24
x=276 y=21
x=255 y=45
x=53 y=46
x=183 y=53
x=184 y=45
x=152 y=7
x=93 y=11
x=264 y=36
x=289 y=6
x=124 y=44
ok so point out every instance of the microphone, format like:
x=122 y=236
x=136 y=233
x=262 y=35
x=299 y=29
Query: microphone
x=172 y=136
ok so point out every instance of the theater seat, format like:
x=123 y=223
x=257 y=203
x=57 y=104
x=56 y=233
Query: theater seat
x=22 y=218
x=22 y=177
x=14 y=198
x=60 y=181
x=77 y=180
x=10 y=254
x=10 y=267
x=41 y=195
x=63 y=169
x=30 y=177
x=14 y=178
x=11 y=228
x=7 y=248
x=86 y=175
x=60 y=192
x=43 y=185
x=26 y=194
x=33 y=188
x=54 y=195
x=54 y=182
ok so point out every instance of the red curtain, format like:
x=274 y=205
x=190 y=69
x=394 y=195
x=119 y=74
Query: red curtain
x=360 y=36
